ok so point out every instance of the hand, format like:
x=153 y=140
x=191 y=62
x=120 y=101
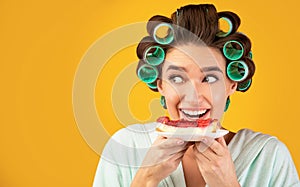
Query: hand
x=160 y=161
x=215 y=163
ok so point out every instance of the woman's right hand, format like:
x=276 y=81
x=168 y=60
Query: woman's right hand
x=160 y=161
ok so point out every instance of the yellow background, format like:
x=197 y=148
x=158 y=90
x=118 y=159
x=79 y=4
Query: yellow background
x=42 y=43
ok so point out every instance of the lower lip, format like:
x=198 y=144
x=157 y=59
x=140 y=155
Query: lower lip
x=206 y=116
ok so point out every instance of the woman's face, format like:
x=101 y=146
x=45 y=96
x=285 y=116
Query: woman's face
x=194 y=82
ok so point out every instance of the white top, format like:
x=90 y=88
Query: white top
x=260 y=160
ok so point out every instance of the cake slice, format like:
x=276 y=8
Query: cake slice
x=165 y=124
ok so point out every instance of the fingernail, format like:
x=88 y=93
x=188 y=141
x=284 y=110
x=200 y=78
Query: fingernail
x=179 y=142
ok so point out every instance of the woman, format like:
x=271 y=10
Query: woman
x=196 y=66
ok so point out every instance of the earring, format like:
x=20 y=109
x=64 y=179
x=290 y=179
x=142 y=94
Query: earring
x=163 y=102
x=227 y=104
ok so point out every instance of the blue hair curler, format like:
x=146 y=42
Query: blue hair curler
x=152 y=85
x=243 y=86
x=168 y=34
x=154 y=55
x=233 y=50
x=147 y=73
x=222 y=33
x=237 y=71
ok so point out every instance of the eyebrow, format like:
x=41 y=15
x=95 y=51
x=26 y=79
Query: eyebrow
x=179 y=68
x=204 y=69
x=211 y=68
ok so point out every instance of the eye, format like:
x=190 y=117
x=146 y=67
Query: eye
x=176 y=79
x=210 y=79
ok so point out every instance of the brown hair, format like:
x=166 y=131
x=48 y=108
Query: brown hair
x=201 y=21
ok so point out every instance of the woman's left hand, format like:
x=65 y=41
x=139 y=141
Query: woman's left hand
x=215 y=163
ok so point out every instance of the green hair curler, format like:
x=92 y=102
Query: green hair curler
x=237 y=70
x=154 y=55
x=147 y=73
x=250 y=55
x=152 y=85
x=168 y=34
x=243 y=86
x=222 y=33
x=233 y=50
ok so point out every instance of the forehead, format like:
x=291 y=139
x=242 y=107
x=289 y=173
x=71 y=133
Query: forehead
x=195 y=55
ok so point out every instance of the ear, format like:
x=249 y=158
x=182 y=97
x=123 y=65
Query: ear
x=159 y=84
x=232 y=88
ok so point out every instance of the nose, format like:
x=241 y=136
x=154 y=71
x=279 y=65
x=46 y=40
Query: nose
x=195 y=93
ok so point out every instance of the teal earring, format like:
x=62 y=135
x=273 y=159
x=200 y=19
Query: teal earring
x=163 y=102
x=227 y=104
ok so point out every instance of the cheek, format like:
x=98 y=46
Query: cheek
x=218 y=99
x=173 y=98
x=171 y=94
x=218 y=91
x=218 y=94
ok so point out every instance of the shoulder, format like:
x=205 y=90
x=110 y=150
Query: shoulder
x=250 y=135
x=128 y=146
x=257 y=144
x=132 y=136
x=264 y=144
x=133 y=132
x=246 y=138
x=266 y=141
x=262 y=153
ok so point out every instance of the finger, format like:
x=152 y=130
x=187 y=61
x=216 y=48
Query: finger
x=164 y=143
x=222 y=141
x=169 y=146
x=172 y=142
x=201 y=147
x=206 y=151
x=204 y=144
x=178 y=155
x=217 y=148
x=160 y=139
x=174 y=150
x=199 y=156
x=176 y=159
x=208 y=140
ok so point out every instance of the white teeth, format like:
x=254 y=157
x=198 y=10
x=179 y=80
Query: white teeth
x=194 y=112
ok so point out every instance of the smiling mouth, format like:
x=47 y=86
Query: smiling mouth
x=194 y=114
